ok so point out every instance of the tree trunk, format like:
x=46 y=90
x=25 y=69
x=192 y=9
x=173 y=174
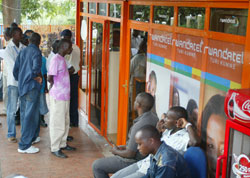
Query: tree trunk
x=11 y=11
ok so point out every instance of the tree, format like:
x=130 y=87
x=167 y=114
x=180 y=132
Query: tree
x=11 y=11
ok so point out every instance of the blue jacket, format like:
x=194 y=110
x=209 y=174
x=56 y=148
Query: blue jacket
x=167 y=163
x=27 y=66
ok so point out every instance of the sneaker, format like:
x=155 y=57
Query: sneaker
x=37 y=140
x=30 y=150
x=12 y=139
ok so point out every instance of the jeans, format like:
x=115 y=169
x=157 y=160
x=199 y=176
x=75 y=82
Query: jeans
x=129 y=172
x=29 y=108
x=11 y=110
x=74 y=99
x=109 y=165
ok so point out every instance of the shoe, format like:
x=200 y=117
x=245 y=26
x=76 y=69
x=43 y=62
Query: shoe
x=70 y=138
x=30 y=150
x=59 y=154
x=12 y=139
x=69 y=148
x=42 y=121
x=37 y=140
x=3 y=114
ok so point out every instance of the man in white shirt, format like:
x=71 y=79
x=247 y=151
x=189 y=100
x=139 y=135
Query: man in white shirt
x=74 y=60
x=176 y=132
x=12 y=50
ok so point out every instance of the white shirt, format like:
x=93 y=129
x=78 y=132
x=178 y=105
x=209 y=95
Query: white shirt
x=11 y=53
x=5 y=72
x=179 y=141
x=74 y=58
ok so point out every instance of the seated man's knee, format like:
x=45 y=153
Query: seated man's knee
x=97 y=165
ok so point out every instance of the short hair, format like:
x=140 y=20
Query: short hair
x=67 y=33
x=179 y=112
x=13 y=24
x=62 y=43
x=35 y=38
x=14 y=30
x=215 y=105
x=146 y=101
x=7 y=32
x=28 y=31
x=55 y=46
x=149 y=131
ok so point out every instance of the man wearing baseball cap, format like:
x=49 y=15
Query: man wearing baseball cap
x=74 y=60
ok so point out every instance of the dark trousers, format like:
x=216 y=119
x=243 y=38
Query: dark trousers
x=74 y=78
x=29 y=108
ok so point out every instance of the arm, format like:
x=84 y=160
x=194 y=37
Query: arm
x=165 y=171
x=71 y=70
x=37 y=65
x=194 y=139
x=50 y=80
x=125 y=153
x=16 y=68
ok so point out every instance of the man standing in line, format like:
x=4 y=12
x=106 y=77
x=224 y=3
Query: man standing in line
x=58 y=76
x=74 y=61
x=127 y=155
x=11 y=52
x=27 y=71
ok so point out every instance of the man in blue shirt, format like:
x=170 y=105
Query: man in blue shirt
x=27 y=71
x=164 y=161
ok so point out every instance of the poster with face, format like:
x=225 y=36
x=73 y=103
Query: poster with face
x=213 y=124
x=158 y=84
x=185 y=93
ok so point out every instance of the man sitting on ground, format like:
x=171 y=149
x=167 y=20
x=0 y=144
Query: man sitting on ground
x=177 y=133
x=127 y=155
x=165 y=162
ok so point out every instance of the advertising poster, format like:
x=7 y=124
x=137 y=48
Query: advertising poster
x=186 y=93
x=158 y=84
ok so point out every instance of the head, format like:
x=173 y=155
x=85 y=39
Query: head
x=148 y=140
x=55 y=46
x=13 y=25
x=64 y=47
x=152 y=83
x=28 y=33
x=7 y=33
x=66 y=34
x=143 y=47
x=173 y=115
x=25 y=40
x=35 y=39
x=213 y=130
x=192 y=110
x=136 y=33
x=176 y=97
x=17 y=34
x=143 y=102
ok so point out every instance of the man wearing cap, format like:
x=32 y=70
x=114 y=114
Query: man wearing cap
x=74 y=60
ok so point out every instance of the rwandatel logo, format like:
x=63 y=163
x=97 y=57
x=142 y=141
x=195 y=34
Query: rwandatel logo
x=241 y=167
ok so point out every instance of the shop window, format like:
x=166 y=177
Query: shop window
x=233 y=21
x=102 y=9
x=191 y=17
x=163 y=15
x=139 y=13
x=92 y=8
x=85 y=7
x=115 y=10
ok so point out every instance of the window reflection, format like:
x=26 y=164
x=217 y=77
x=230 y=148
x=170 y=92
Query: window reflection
x=102 y=9
x=139 y=13
x=163 y=15
x=191 y=17
x=115 y=10
x=92 y=8
x=233 y=21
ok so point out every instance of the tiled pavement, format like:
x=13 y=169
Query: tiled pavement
x=44 y=164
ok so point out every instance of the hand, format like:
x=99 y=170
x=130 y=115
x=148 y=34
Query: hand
x=181 y=123
x=114 y=149
x=39 y=79
x=121 y=147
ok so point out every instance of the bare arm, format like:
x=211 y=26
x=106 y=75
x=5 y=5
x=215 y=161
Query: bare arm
x=50 y=80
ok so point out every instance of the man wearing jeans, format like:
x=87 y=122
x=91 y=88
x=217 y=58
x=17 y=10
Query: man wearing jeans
x=11 y=52
x=27 y=71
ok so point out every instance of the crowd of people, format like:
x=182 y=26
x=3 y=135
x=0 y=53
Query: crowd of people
x=25 y=73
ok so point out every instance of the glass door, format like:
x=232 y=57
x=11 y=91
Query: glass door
x=96 y=75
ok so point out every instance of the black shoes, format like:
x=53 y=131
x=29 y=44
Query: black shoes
x=70 y=138
x=69 y=148
x=59 y=154
x=42 y=121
